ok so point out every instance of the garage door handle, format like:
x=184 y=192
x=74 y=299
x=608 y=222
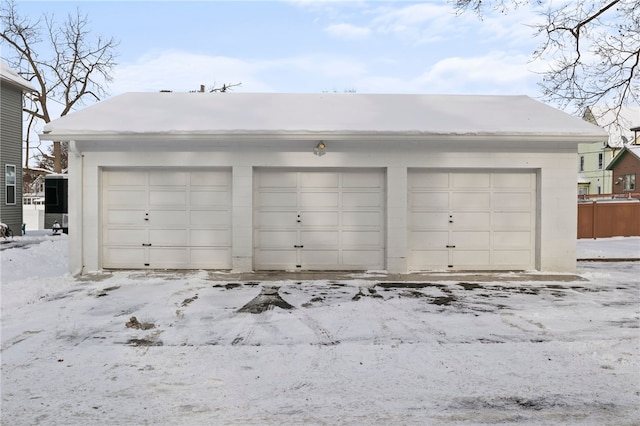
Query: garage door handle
x=298 y=246
x=451 y=246
x=146 y=245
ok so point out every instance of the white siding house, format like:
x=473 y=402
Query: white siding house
x=322 y=182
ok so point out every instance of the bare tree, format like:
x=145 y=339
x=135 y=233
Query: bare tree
x=63 y=61
x=592 y=49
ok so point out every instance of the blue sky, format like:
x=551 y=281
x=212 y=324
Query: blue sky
x=310 y=46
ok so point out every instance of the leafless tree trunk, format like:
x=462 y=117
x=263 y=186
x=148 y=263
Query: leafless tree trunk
x=66 y=65
x=592 y=49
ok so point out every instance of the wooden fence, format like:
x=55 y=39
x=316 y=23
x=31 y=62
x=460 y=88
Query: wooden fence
x=603 y=219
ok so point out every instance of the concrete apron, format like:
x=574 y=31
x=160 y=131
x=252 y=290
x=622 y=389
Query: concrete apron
x=474 y=276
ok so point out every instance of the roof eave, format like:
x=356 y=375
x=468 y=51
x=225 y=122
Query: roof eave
x=324 y=135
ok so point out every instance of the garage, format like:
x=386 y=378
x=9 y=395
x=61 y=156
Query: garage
x=319 y=219
x=472 y=220
x=166 y=219
x=392 y=183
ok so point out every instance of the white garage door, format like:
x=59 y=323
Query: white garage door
x=472 y=221
x=169 y=219
x=319 y=220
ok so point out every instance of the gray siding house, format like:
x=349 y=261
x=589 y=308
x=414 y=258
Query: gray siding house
x=12 y=86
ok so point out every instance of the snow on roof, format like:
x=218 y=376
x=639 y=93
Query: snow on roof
x=618 y=127
x=10 y=76
x=187 y=114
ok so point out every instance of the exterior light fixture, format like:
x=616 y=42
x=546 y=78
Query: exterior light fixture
x=319 y=150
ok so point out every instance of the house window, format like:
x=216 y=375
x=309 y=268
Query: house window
x=600 y=160
x=629 y=182
x=582 y=163
x=10 y=183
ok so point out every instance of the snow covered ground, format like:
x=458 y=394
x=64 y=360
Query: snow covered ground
x=349 y=352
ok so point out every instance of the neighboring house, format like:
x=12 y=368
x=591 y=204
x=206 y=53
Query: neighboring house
x=299 y=182
x=593 y=158
x=625 y=168
x=12 y=87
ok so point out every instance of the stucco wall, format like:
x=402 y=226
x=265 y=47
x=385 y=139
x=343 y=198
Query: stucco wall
x=556 y=222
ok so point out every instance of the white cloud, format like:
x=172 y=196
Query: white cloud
x=496 y=72
x=182 y=72
x=348 y=31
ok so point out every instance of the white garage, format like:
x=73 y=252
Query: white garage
x=472 y=220
x=319 y=220
x=166 y=219
x=322 y=182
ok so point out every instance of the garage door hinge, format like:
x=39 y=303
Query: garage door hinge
x=451 y=246
x=146 y=245
x=146 y=264
x=298 y=246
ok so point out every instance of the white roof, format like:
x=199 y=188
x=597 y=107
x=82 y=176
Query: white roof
x=10 y=76
x=225 y=114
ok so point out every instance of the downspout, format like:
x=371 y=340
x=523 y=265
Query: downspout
x=78 y=179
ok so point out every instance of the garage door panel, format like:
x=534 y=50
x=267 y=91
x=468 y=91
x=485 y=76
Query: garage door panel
x=210 y=257
x=277 y=239
x=319 y=180
x=311 y=218
x=512 y=239
x=124 y=217
x=362 y=199
x=167 y=218
x=125 y=257
x=319 y=199
x=513 y=200
x=428 y=259
x=211 y=179
x=168 y=257
x=470 y=180
x=277 y=180
x=319 y=238
x=470 y=200
x=471 y=258
x=314 y=258
x=434 y=180
x=277 y=199
x=167 y=198
x=502 y=221
x=126 y=236
x=365 y=218
x=470 y=239
x=132 y=199
x=125 y=178
x=276 y=219
x=429 y=220
x=210 y=218
x=362 y=257
x=277 y=258
x=514 y=180
x=169 y=237
x=210 y=237
x=513 y=258
x=430 y=200
x=168 y=178
x=371 y=179
x=362 y=238
x=209 y=198
x=471 y=220
x=429 y=239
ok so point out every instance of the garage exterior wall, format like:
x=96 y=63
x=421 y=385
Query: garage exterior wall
x=556 y=208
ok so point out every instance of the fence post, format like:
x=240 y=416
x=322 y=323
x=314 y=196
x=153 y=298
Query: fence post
x=593 y=218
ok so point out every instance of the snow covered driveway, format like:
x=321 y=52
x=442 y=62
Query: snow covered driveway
x=349 y=352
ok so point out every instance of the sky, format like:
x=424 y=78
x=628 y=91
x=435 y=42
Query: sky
x=307 y=46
